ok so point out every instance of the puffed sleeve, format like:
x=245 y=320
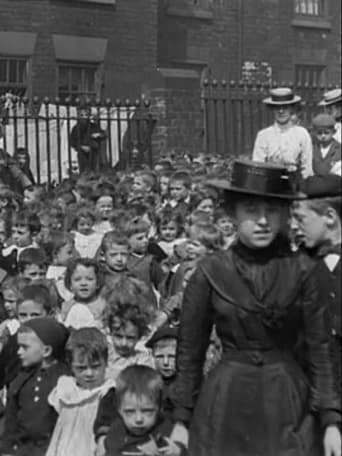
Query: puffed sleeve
x=306 y=147
x=195 y=329
x=324 y=397
x=260 y=149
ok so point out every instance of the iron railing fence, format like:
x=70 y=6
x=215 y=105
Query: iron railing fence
x=234 y=113
x=44 y=128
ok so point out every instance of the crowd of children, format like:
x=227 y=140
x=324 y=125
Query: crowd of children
x=92 y=274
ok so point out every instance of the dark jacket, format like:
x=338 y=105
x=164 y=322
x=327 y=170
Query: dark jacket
x=82 y=134
x=148 y=270
x=29 y=419
x=9 y=361
x=324 y=165
x=119 y=440
x=257 y=400
x=12 y=176
x=329 y=282
x=107 y=410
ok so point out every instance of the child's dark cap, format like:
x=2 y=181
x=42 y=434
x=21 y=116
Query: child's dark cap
x=324 y=121
x=50 y=332
x=165 y=332
x=325 y=186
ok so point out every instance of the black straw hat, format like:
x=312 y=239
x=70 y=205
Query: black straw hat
x=259 y=179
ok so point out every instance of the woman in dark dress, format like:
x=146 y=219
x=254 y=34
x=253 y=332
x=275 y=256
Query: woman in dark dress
x=257 y=401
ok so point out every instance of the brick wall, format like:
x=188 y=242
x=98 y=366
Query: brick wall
x=130 y=27
x=176 y=103
x=240 y=31
x=270 y=35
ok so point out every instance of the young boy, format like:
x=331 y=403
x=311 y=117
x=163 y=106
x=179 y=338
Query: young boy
x=32 y=264
x=29 y=419
x=140 y=263
x=140 y=427
x=326 y=150
x=318 y=220
x=25 y=226
x=34 y=302
x=180 y=187
x=115 y=252
x=144 y=183
x=163 y=344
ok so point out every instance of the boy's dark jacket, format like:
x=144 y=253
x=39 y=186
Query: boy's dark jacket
x=119 y=440
x=29 y=419
x=330 y=290
x=9 y=361
x=107 y=410
x=148 y=270
x=322 y=166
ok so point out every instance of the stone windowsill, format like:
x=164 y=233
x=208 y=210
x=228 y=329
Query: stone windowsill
x=313 y=23
x=102 y=2
x=191 y=12
x=178 y=73
x=189 y=64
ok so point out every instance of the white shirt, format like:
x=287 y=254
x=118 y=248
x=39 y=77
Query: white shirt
x=285 y=146
x=337 y=168
x=8 y=250
x=325 y=150
x=337 y=135
x=87 y=245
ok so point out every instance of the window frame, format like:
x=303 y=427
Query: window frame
x=26 y=84
x=83 y=66
x=321 y=21
x=311 y=65
x=322 y=5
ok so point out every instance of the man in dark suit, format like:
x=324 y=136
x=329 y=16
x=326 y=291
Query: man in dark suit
x=88 y=139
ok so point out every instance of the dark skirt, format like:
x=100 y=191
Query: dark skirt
x=254 y=408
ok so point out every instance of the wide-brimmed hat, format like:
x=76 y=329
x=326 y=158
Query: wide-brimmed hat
x=325 y=186
x=331 y=97
x=282 y=96
x=259 y=179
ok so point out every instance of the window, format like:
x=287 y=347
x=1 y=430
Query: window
x=77 y=80
x=310 y=7
x=13 y=75
x=310 y=75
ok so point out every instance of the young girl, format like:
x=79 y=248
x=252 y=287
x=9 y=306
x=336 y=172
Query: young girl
x=62 y=251
x=129 y=318
x=87 y=308
x=76 y=398
x=87 y=241
x=169 y=229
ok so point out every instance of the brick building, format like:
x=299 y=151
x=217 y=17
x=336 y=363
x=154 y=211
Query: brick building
x=164 y=48
x=75 y=47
